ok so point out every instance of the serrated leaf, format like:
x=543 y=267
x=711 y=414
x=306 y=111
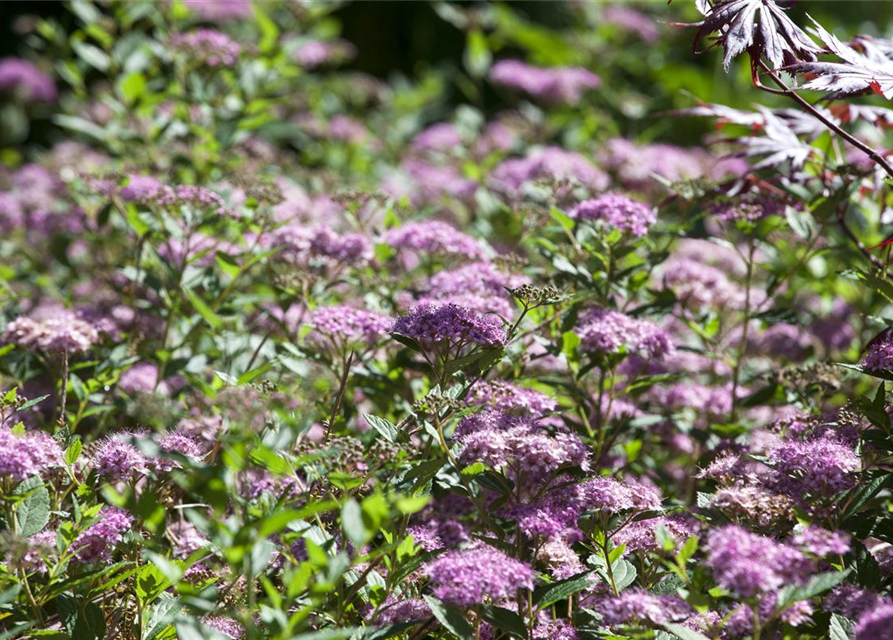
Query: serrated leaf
x=33 y=512
x=840 y=628
x=386 y=428
x=816 y=585
x=624 y=574
x=161 y=616
x=684 y=633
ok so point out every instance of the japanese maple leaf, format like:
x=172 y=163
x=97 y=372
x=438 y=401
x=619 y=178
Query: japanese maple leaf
x=759 y=27
x=779 y=144
x=858 y=72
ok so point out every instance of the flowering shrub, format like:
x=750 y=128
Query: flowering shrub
x=289 y=352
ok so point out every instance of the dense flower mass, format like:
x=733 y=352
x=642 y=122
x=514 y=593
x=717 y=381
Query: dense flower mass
x=500 y=342
x=26 y=80
x=749 y=564
x=477 y=575
x=614 y=332
x=559 y=84
x=450 y=325
x=617 y=211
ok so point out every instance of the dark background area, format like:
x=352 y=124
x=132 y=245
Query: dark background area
x=396 y=36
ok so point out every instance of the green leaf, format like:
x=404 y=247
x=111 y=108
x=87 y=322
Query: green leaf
x=816 y=585
x=504 y=620
x=32 y=513
x=477 y=56
x=882 y=375
x=352 y=522
x=386 y=428
x=684 y=633
x=74 y=451
x=451 y=619
x=203 y=309
x=92 y=55
x=624 y=574
x=550 y=594
x=132 y=86
x=83 y=620
x=562 y=218
x=840 y=628
x=161 y=616
x=33 y=401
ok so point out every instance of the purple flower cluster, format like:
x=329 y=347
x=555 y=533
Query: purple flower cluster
x=117 y=459
x=557 y=84
x=100 y=539
x=434 y=237
x=393 y=611
x=511 y=398
x=227 y=626
x=748 y=564
x=618 y=211
x=477 y=575
x=613 y=496
x=523 y=449
x=813 y=471
x=549 y=163
x=450 y=325
x=637 y=606
x=348 y=325
x=614 y=332
x=879 y=354
x=26 y=455
x=63 y=333
x=319 y=245
x=221 y=10
x=875 y=624
x=208 y=46
x=26 y=80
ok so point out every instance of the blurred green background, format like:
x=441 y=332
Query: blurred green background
x=642 y=81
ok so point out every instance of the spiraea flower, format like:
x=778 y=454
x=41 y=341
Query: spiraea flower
x=433 y=237
x=511 y=398
x=821 y=542
x=227 y=626
x=477 y=575
x=394 y=611
x=635 y=606
x=618 y=211
x=450 y=326
x=875 y=624
x=700 y=285
x=614 y=332
x=63 y=333
x=221 y=10
x=99 y=541
x=546 y=629
x=549 y=163
x=178 y=443
x=748 y=564
x=26 y=455
x=555 y=84
x=613 y=496
x=879 y=354
x=208 y=46
x=117 y=459
x=41 y=548
x=22 y=78
x=344 y=326
x=813 y=471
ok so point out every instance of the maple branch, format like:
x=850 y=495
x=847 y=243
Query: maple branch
x=877 y=158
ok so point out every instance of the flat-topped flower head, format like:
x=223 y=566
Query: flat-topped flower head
x=550 y=84
x=451 y=325
x=618 y=211
x=511 y=398
x=221 y=10
x=636 y=607
x=548 y=163
x=813 y=471
x=63 y=333
x=614 y=332
x=117 y=459
x=433 y=237
x=208 y=46
x=875 y=624
x=22 y=78
x=97 y=543
x=748 y=564
x=345 y=325
x=474 y=576
x=613 y=496
x=879 y=354
x=26 y=455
